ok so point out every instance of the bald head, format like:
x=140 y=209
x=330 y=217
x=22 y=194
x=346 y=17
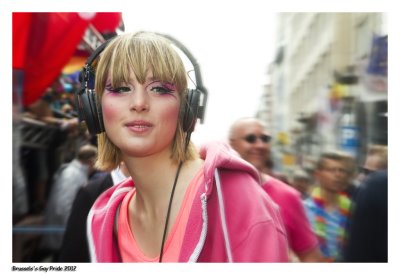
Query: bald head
x=250 y=139
x=242 y=123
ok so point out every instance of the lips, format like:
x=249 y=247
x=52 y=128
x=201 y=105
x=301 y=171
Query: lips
x=139 y=126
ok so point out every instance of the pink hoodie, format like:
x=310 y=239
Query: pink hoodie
x=233 y=220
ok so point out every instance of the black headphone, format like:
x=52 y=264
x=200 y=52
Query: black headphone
x=89 y=108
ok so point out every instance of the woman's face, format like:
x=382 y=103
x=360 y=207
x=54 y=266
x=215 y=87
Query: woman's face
x=141 y=119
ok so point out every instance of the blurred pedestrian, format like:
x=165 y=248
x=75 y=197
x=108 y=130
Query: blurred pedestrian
x=41 y=162
x=42 y=110
x=376 y=159
x=250 y=139
x=349 y=183
x=327 y=208
x=67 y=181
x=302 y=182
x=20 y=205
x=368 y=236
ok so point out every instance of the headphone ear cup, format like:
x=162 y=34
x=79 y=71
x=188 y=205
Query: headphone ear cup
x=191 y=111
x=96 y=112
x=88 y=108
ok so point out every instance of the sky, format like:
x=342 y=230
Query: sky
x=233 y=51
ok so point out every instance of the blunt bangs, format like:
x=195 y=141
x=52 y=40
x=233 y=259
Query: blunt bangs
x=140 y=53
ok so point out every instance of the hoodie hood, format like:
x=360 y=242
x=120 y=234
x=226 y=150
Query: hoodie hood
x=220 y=155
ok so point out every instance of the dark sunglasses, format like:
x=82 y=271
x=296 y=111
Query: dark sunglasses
x=253 y=138
x=365 y=171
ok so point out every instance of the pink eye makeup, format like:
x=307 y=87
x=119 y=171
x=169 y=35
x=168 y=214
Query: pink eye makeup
x=121 y=89
x=161 y=88
x=169 y=86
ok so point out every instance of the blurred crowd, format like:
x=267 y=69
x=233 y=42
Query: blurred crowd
x=47 y=137
x=343 y=203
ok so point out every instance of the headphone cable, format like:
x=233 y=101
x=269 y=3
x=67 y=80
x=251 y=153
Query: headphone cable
x=169 y=210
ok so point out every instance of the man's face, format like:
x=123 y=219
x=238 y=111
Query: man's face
x=251 y=141
x=372 y=164
x=331 y=175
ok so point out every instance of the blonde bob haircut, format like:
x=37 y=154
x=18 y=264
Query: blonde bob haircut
x=138 y=53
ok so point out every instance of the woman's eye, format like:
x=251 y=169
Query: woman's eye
x=118 y=89
x=161 y=90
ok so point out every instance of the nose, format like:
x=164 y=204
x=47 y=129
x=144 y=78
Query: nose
x=139 y=100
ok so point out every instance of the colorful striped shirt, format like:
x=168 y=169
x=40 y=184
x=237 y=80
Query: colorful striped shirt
x=329 y=224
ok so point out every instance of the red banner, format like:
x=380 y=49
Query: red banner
x=43 y=43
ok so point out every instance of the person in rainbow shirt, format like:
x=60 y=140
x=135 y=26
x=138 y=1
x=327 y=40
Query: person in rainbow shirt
x=327 y=209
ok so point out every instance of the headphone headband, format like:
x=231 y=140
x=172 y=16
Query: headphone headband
x=197 y=73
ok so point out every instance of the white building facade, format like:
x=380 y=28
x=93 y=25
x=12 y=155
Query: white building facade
x=319 y=69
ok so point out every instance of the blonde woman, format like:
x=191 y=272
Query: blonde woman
x=178 y=205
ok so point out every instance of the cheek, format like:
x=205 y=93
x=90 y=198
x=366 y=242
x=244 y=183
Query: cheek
x=171 y=115
x=167 y=106
x=110 y=112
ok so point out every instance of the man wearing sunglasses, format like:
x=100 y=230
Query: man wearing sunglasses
x=250 y=139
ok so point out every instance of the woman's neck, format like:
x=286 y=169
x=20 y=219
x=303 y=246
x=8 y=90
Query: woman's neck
x=153 y=175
